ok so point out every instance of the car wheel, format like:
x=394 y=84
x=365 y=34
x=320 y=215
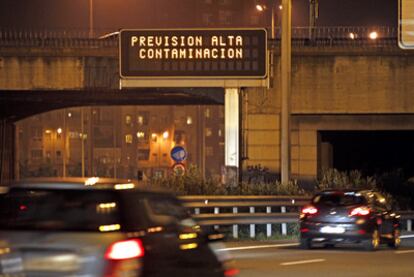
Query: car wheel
x=373 y=243
x=305 y=243
x=396 y=239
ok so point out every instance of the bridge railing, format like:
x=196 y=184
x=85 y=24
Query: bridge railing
x=253 y=211
x=339 y=36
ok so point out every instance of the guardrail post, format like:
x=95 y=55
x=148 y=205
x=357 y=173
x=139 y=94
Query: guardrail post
x=252 y=226
x=409 y=225
x=284 y=225
x=216 y=211
x=235 y=226
x=268 y=226
x=197 y=211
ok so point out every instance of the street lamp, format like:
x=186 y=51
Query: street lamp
x=262 y=8
x=285 y=83
x=373 y=35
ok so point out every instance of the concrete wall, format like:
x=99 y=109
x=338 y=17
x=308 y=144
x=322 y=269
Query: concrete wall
x=330 y=91
x=364 y=85
x=41 y=72
x=353 y=84
x=58 y=68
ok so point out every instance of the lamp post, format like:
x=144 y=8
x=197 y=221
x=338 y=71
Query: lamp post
x=285 y=84
x=90 y=18
x=285 y=89
x=313 y=16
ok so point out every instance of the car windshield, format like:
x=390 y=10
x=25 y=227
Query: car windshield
x=339 y=199
x=63 y=210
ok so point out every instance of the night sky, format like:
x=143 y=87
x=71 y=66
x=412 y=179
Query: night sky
x=116 y=14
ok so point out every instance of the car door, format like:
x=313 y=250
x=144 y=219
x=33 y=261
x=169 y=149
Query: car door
x=384 y=220
x=181 y=241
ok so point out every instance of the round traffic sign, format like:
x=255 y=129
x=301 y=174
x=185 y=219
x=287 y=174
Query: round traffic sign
x=178 y=169
x=178 y=154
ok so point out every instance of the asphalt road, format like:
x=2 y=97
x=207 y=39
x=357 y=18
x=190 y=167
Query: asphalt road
x=286 y=259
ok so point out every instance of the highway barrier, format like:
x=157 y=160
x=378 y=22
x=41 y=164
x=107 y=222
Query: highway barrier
x=255 y=210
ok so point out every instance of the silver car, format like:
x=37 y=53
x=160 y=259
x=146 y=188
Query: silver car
x=100 y=227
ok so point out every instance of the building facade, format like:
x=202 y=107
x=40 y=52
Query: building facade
x=120 y=141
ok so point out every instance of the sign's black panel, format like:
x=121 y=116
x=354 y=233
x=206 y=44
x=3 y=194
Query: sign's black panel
x=208 y=53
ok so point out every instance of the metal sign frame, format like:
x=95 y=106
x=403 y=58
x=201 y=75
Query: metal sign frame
x=262 y=59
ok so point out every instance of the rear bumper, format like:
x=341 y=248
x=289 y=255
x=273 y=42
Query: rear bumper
x=353 y=233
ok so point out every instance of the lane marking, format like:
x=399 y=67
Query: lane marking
x=280 y=245
x=404 y=251
x=258 y=247
x=304 y=262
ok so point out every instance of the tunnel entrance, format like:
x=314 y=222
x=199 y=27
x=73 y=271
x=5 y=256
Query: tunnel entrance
x=371 y=152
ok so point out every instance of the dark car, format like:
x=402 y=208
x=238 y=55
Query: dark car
x=349 y=216
x=101 y=227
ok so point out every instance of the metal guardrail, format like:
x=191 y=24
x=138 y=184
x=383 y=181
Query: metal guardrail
x=341 y=36
x=255 y=210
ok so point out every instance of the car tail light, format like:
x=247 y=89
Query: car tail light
x=231 y=272
x=309 y=210
x=360 y=211
x=123 y=258
x=126 y=249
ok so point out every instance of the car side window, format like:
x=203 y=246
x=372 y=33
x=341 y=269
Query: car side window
x=166 y=210
x=134 y=211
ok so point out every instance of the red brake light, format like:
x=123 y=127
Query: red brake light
x=359 y=211
x=231 y=272
x=126 y=249
x=309 y=210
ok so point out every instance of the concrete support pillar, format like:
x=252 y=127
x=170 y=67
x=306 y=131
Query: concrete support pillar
x=231 y=121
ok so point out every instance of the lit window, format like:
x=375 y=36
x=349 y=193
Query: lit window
x=189 y=120
x=142 y=118
x=127 y=119
x=208 y=132
x=140 y=135
x=220 y=133
x=128 y=138
x=207 y=113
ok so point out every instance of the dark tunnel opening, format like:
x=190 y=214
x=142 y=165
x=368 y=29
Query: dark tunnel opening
x=371 y=152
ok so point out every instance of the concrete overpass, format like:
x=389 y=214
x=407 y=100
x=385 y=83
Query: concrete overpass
x=337 y=85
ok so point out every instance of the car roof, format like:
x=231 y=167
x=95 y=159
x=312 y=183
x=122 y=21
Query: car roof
x=328 y=191
x=80 y=183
